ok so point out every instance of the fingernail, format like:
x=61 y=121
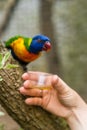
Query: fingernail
x=25 y=75
x=27 y=101
x=20 y=89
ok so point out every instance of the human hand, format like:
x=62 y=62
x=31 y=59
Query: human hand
x=59 y=100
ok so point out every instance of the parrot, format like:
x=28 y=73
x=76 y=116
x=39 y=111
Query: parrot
x=27 y=49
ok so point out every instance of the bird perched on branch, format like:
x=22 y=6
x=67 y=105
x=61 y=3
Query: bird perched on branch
x=26 y=50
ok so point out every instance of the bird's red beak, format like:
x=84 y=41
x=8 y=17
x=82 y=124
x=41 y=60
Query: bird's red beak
x=47 y=46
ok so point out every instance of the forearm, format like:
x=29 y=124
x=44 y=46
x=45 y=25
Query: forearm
x=78 y=119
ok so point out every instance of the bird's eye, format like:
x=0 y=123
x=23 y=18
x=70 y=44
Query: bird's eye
x=39 y=40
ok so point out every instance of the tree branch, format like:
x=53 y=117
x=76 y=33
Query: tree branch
x=28 y=117
x=47 y=28
x=9 y=10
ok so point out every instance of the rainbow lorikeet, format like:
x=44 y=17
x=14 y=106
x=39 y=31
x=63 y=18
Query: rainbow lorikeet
x=26 y=50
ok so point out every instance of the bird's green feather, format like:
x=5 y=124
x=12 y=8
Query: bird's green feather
x=27 y=42
x=8 y=42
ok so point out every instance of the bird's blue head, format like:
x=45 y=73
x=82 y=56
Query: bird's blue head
x=40 y=43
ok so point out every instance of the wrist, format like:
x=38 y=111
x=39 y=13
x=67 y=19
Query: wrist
x=78 y=118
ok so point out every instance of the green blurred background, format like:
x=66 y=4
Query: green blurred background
x=65 y=22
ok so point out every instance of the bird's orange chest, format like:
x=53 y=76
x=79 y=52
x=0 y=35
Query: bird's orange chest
x=21 y=51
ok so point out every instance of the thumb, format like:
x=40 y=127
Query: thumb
x=60 y=85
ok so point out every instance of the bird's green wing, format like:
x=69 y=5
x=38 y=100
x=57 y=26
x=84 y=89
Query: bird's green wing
x=9 y=41
x=27 y=42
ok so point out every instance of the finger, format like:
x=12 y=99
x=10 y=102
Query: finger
x=29 y=84
x=34 y=101
x=38 y=72
x=60 y=85
x=31 y=92
x=25 y=76
x=32 y=75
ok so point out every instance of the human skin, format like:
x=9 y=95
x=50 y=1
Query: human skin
x=60 y=99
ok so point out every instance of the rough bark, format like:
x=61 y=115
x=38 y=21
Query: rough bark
x=28 y=117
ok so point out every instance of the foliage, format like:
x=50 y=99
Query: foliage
x=1 y=126
x=3 y=60
x=1 y=113
x=1 y=78
x=4 y=64
x=20 y=129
